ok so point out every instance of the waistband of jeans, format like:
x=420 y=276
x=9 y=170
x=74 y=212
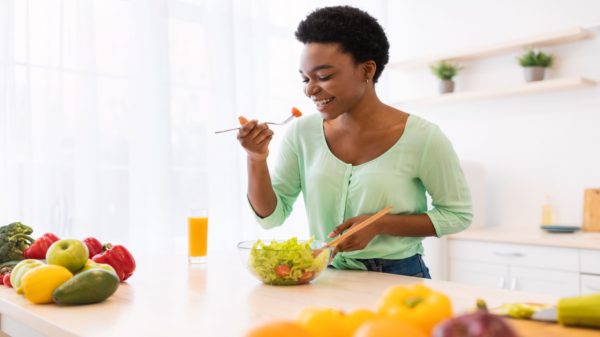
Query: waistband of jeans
x=385 y=262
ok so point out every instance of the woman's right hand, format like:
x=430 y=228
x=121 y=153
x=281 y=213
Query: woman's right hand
x=255 y=139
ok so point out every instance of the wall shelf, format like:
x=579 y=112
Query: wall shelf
x=550 y=39
x=523 y=89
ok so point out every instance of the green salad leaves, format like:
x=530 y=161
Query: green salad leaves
x=286 y=262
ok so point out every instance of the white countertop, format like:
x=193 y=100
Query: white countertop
x=167 y=297
x=586 y=240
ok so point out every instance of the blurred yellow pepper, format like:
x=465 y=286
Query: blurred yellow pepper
x=417 y=305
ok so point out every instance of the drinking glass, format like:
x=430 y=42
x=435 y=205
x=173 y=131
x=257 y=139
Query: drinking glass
x=197 y=235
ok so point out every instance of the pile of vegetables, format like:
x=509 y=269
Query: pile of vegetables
x=27 y=265
x=415 y=311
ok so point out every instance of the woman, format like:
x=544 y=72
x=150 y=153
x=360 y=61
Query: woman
x=358 y=155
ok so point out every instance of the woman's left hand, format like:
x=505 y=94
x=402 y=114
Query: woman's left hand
x=357 y=240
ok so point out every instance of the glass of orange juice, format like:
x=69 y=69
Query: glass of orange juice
x=197 y=235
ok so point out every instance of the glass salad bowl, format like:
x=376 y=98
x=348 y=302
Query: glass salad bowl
x=289 y=262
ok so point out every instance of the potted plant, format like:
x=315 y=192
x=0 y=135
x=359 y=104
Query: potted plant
x=535 y=64
x=445 y=72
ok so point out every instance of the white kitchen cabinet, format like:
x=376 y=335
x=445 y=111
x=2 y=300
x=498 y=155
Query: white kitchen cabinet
x=540 y=269
x=590 y=284
x=546 y=281
x=590 y=261
x=480 y=273
x=590 y=271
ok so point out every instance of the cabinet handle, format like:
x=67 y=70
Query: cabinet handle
x=513 y=283
x=503 y=254
x=501 y=282
x=593 y=288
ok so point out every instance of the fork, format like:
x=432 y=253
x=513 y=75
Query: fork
x=295 y=113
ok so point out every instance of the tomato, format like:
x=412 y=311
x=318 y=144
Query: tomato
x=388 y=327
x=322 y=322
x=296 y=112
x=6 y=280
x=282 y=270
x=306 y=277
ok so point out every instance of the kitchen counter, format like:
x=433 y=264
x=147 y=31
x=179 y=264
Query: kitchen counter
x=538 y=237
x=166 y=296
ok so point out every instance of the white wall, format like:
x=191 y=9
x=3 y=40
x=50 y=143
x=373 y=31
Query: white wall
x=529 y=146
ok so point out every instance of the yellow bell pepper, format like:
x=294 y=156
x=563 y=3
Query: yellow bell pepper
x=417 y=305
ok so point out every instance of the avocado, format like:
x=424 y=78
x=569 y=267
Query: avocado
x=90 y=286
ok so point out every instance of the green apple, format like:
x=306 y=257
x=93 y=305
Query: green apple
x=93 y=265
x=69 y=253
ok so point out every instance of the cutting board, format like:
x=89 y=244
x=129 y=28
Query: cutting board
x=591 y=210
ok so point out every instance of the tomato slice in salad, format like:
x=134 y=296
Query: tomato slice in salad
x=282 y=270
x=306 y=277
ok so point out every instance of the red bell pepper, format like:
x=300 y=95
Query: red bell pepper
x=94 y=246
x=119 y=258
x=40 y=246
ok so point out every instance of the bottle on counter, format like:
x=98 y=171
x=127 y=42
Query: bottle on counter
x=548 y=211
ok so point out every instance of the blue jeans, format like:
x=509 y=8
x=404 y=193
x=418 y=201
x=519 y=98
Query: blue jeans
x=411 y=266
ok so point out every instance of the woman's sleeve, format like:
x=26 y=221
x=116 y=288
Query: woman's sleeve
x=444 y=180
x=286 y=182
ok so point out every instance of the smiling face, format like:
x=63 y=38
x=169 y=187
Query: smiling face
x=333 y=80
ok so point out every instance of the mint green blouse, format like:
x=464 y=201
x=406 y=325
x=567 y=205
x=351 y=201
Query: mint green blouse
x=421 y=161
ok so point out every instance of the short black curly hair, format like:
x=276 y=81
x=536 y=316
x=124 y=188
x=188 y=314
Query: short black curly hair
x=358 y=33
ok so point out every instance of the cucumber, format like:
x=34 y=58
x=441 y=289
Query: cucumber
x=90 y=286
x=581 y=311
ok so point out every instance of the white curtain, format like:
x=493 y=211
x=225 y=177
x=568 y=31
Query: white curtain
x=108 y=107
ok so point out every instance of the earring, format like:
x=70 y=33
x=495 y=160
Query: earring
x=367 y=81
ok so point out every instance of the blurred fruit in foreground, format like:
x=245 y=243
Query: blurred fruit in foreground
x=278 y=329
x=417 y=304
x=580 y=310
x=355 y=319
x=478 y=324
x=322 y=322
x=388 y=327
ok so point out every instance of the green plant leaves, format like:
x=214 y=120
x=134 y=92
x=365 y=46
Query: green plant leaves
x=444 y=70
x=534 y=58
